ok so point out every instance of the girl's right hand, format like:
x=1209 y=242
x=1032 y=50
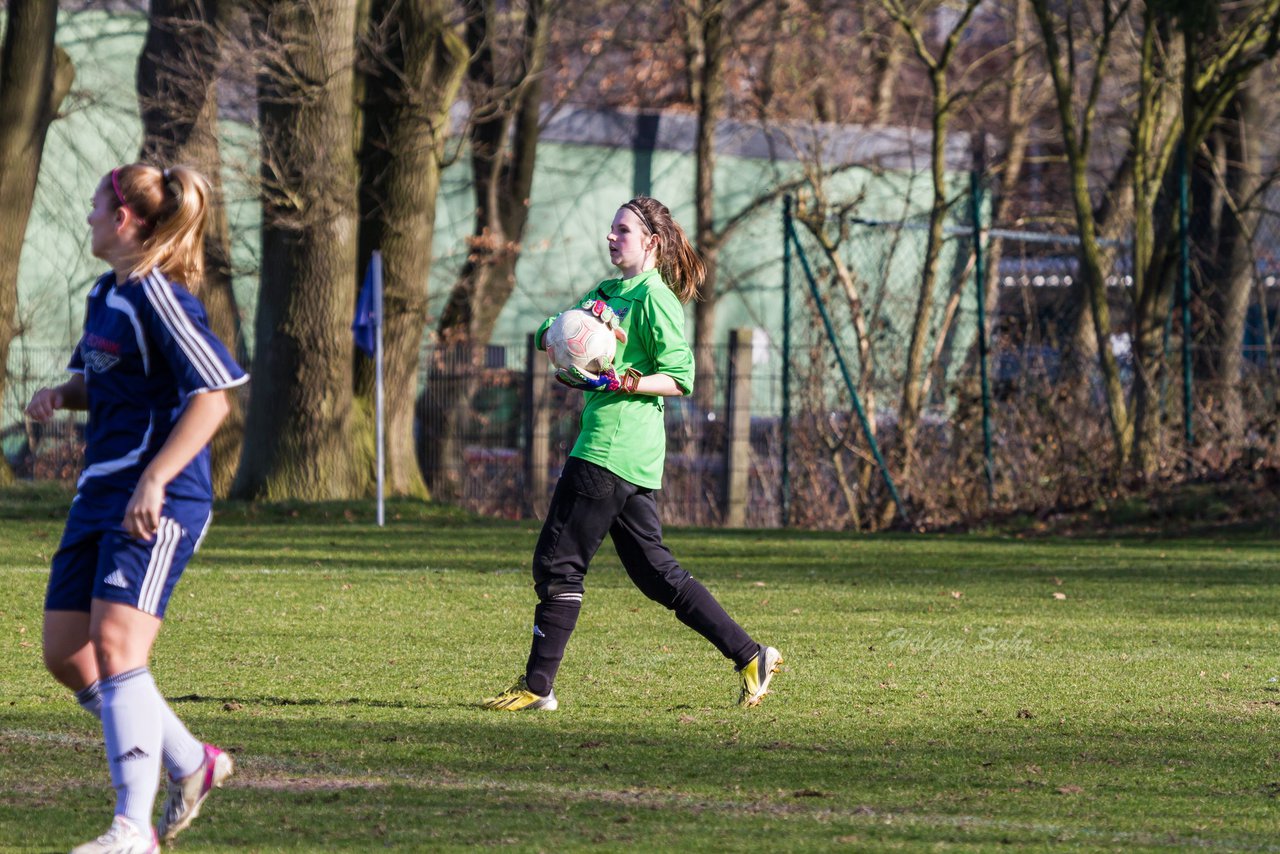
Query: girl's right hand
x=44 y=403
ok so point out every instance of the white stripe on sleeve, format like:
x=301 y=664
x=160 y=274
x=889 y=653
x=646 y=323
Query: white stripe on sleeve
x=194 y=346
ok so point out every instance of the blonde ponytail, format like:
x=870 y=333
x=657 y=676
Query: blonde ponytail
x=172 y=206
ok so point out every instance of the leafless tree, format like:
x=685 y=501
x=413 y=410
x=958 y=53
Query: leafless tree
x=35 y=76
x=505 y=78
x=415 y=58
x=1228 y=182
x=178 y=73
x=305 y=440
x=1187 y=73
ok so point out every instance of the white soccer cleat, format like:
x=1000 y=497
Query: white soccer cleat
x=186 y=795
x=124 y=837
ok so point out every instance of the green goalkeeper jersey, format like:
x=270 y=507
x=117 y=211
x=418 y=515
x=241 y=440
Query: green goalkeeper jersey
x=625 y=432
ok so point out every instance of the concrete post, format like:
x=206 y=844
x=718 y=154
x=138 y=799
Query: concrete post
x=738 y=421
x=537 y=429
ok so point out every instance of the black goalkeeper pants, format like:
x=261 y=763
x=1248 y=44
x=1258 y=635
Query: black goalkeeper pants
x=589 y=502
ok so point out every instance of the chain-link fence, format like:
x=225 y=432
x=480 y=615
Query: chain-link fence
x=824 y=431
x=495 y=430
x=50 y=451
x=1045 y=427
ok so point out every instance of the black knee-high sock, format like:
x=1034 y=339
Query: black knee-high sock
x=698 y=609
x=553 y=622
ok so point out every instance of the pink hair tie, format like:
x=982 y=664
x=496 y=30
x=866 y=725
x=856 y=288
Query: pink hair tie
x=115 y=185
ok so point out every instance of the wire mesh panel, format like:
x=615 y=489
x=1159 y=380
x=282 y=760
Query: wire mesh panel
x=50 y=451
x=880 y=337
x=876 y=389
x=474 y=438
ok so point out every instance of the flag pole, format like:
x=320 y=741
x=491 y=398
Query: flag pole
x=378 y=397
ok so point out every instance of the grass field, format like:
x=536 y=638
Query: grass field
x=949 y=692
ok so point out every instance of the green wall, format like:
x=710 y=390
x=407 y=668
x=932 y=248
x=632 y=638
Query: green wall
x=576 y=190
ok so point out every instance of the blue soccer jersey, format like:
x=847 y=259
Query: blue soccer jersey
x=146 y=349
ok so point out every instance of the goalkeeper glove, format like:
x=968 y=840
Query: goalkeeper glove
x=606 y=380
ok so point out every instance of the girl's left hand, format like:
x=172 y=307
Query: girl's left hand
x=606 y=380
x=142 y=515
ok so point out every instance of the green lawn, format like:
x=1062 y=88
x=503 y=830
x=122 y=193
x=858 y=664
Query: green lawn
x=954 y=692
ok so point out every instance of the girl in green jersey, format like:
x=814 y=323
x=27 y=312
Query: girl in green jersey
x=615 y=467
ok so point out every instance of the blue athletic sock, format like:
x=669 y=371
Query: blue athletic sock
x=182 y=753
x=131 y=726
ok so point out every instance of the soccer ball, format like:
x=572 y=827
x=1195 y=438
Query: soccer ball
x=579 y=339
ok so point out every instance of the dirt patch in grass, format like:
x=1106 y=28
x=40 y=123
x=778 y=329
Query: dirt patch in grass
x=306 y=784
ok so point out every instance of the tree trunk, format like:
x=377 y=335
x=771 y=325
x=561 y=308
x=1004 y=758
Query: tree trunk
x=913 y=381
x=35 y=76
x=710 y=99
x=1226 y=219
x=416 y=68
x=862 y=318
x=177 y=85
x=504 y=139
x=886 y=69
x=504 y=143
x=304 y=443
x=1075 y=135
x=1018 y=118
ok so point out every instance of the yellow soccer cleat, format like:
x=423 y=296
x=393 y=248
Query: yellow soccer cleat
x=756 y=676
x=519 y=698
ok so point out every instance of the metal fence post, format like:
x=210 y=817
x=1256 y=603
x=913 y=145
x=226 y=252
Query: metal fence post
x=980 y=278
x=784 y=427
x=737 y=462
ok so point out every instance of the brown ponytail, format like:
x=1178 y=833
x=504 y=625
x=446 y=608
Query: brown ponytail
x=172 y=206
x=678 y=261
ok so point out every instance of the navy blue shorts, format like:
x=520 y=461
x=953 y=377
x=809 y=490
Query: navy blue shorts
x=98 y=560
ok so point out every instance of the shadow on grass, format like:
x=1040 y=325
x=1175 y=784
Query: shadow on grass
x=571 y=781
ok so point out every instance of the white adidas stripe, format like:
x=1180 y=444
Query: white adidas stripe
x=160 y=294
x=162 y=552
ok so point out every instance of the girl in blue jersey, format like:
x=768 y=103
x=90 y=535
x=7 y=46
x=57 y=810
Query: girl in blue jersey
x=615 y=468
x=154 y=380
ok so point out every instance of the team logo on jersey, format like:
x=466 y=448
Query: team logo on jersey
x=100 y=354
x=97 y=342
x=99 y=361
